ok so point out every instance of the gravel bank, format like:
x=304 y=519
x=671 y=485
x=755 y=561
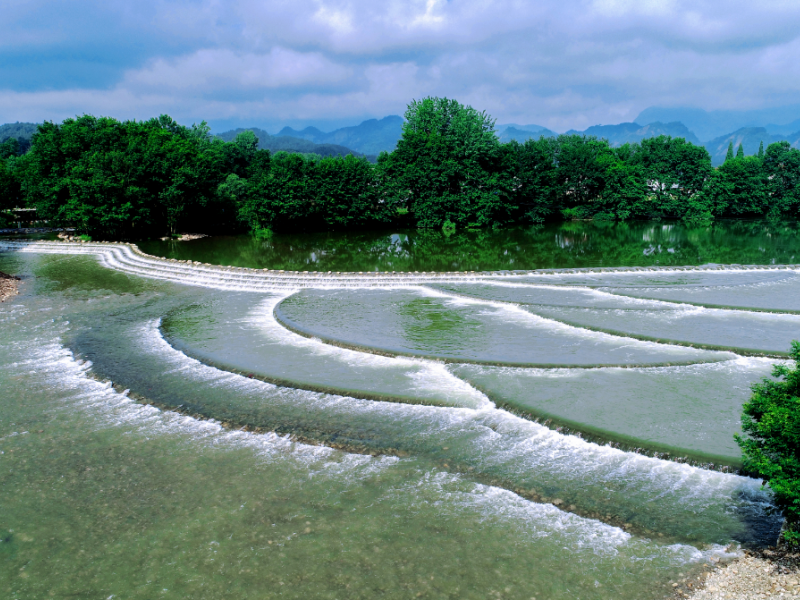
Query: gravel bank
x=8 y=286
x=755 y=576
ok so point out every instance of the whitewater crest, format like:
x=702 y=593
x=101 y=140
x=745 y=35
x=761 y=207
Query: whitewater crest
x=129 y=258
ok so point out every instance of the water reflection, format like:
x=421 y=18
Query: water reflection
x=563 y=245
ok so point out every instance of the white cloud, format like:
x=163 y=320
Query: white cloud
x=566 y=63
x=214 y=68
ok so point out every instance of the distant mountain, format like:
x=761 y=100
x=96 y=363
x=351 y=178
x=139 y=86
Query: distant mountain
x=290 y=144
x=674 y=129
x=750 y=138
x=370 y=137
x=229 y=136
x=709 y=125
x=530 y=128
x=613 y=133
x=515 y=133
x=17 y=130
x=22 y=132
x=629 y=133
x=787 y=129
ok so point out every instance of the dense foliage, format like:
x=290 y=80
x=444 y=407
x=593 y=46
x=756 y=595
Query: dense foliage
x=138 y=179
x=447 y=167
x=771 y=420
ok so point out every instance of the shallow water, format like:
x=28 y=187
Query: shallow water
x=248 y=339
x=427 y=323
x=688 y=410
x=232 y=457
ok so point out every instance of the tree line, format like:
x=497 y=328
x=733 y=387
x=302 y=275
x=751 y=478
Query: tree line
x=139 y=179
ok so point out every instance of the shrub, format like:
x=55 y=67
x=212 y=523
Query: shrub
x=771 y=449
x=261 y=233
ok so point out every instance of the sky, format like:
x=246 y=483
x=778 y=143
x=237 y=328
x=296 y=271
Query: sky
x=557 y=63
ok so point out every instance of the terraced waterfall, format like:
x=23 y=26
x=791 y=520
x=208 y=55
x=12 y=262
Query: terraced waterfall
x=175 y=429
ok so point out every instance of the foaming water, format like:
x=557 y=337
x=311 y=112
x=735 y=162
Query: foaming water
x=431 y=323
x=249 y=486
x=779 y=295
x=475 y=523
x=691 y=410
x=228 y=331
x=745 y=332
x=489 y=443
x=551 y=295
x=427 y=378
x=700 y=276
x=104 y=407
x=740 y=331
x=129 y=259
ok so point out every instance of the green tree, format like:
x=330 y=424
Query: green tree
x=740 y=151
x=239 y=153
x=781 y=166
x=582 y=169
x=447 y=166
x=348 y=194
x=771 y=446
x=739 y=188
x=675 y=172
x=532 y=168
x=729 y=155
x=9 y=148
x=761 y=150
x=284 y=197
x=234 y=189
x=10 y=190
x=625 y=191
x=130 y=179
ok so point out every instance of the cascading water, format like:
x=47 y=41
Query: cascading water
x=190 y=430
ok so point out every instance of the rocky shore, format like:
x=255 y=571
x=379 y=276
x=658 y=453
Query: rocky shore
x=8 y=286
x=761 y=575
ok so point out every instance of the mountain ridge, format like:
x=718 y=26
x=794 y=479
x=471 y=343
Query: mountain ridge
x=709 y=125
x=370 y=137
x=290 y=144
x=749 y=138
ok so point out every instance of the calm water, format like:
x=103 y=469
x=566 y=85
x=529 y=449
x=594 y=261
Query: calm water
x=565 y=245
x=177 y=431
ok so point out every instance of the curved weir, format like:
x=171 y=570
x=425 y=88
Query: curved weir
x=128 y=258
x=742 y=331
x=156 y=418
x=452 y=329
x=487 y=444
x=248 y=340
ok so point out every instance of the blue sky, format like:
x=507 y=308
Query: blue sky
x=561 y=64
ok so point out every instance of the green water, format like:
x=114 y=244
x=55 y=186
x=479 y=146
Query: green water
x=163 y=439
x=564 y=245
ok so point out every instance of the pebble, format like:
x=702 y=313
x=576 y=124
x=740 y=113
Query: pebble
x=749 y=578
x=8 y=286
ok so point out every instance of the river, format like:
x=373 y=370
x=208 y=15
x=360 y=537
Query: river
x=556 y=427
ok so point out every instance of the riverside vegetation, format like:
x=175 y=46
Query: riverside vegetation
x=143 y=179
x=771 y=420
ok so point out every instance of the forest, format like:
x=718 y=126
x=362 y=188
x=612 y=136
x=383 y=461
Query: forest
x=141 y=179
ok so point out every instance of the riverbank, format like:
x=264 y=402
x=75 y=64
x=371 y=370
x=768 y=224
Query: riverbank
x=762 y=574
x=8 y=286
